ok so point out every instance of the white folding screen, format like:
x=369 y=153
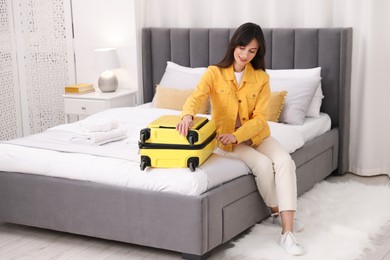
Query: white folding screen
x=41 y=38
x=46 y=65
x=10 y=117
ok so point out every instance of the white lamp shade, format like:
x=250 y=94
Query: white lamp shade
x=106 y=59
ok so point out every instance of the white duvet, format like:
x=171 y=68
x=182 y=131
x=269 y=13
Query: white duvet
x=117 y=163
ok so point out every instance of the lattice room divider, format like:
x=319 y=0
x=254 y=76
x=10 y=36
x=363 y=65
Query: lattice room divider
x=41 y=41
x=10 y=117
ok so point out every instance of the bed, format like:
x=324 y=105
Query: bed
x=193 y=225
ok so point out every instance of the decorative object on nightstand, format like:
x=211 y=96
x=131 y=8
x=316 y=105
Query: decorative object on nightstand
x=81 y=88
x=106 y=59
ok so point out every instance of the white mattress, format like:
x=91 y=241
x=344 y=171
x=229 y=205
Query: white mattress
x=51 y=153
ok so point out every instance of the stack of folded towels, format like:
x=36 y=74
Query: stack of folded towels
x=99 y=133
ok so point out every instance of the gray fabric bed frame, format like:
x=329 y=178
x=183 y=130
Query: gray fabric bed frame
x=193 y=225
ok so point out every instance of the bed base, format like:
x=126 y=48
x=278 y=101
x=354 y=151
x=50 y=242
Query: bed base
x=188 y=224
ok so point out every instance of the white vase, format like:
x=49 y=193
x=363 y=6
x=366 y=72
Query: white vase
x=108 y=82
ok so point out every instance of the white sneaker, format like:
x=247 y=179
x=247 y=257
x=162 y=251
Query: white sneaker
x=298 y=225
x=288 y=242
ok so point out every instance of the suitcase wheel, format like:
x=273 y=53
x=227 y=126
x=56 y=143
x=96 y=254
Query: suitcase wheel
x=144 y=135
x=142 y=138
x=192 y=166
x=191 y=140
x=192 y=163
x=145 y=161
x=192 y=137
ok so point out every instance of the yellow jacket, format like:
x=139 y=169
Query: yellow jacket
x=250 y=101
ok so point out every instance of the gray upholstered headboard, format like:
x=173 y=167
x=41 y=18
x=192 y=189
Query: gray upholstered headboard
x=328 y=48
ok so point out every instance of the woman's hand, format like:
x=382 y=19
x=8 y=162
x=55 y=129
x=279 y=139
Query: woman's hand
x=185 y=124
x=226 y=139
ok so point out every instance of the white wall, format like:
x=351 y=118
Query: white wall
x=101 y=24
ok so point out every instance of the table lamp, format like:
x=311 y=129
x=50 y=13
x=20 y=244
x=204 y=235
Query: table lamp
x=105 y=60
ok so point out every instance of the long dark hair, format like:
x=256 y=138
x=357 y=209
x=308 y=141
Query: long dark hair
x=242 y=37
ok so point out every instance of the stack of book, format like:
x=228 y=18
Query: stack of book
x=79 y=88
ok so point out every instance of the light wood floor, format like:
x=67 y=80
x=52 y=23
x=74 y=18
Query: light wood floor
x=21 y=242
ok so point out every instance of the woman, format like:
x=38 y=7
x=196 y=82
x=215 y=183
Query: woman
x=239 y=92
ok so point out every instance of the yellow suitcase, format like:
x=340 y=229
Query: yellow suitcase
x=162 y=146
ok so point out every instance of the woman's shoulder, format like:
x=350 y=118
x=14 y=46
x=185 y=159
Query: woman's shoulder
x=218 y=69
x=213 y=68
x=261 y=74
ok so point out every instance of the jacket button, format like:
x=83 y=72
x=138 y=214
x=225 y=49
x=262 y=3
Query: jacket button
x=253 y=95
x=244 y=118
x=239 y=101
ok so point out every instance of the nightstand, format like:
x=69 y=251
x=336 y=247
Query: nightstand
x=83 y=105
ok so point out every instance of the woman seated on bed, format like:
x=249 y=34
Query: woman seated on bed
x=239 y=92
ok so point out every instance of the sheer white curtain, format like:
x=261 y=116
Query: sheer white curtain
x=370 y=119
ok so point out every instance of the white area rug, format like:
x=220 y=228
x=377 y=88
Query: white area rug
x=341 y=220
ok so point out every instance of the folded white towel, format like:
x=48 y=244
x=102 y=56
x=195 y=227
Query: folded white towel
x=103 y=126
x=99 y=138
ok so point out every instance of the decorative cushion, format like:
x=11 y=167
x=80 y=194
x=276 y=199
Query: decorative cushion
x=315 y=105
x=298 y=100
x=173 y=98
x=276 y=105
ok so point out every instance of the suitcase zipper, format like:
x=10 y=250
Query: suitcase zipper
x=178 y=146
x=197 y=128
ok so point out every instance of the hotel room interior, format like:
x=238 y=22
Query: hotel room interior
x=70 y=192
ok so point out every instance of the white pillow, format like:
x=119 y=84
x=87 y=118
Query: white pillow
x=177 y=76
x=180 y=77
x=315 y=105
x=300 y=93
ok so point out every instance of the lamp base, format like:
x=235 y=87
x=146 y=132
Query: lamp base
x=108 y=82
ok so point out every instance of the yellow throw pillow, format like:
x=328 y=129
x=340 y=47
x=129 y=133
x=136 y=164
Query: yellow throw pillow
x=173 y=98
x=276 y=103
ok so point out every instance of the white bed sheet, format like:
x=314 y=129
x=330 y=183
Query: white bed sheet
x=117 y=163
x=314 y=126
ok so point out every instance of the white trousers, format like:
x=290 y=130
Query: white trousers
x=274 y=172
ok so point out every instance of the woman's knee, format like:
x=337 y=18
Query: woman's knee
x=263 y=167
x=284 y=159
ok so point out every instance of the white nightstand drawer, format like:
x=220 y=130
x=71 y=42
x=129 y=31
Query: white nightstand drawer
x=80 y=106
x=83 y=107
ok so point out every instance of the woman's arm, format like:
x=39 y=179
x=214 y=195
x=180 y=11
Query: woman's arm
x=194 y=102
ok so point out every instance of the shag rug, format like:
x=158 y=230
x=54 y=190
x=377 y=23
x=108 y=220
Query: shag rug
x=341 y=221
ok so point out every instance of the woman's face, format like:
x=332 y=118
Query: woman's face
x=244 y=55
